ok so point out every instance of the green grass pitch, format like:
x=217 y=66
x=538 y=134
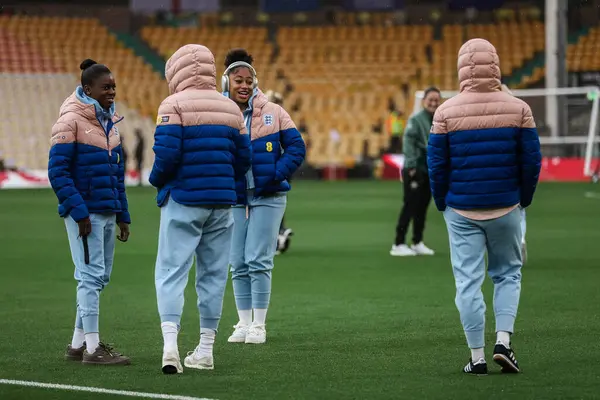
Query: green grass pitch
x=347 y=321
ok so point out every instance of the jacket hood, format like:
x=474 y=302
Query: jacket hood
x=88 y=108
x=478 y=67
x=191 y=67
x=259 y=99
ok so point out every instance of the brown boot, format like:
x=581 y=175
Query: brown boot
x=74 y=354
x=105 y=355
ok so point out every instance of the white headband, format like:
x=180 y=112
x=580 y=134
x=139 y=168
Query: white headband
x=240 y=64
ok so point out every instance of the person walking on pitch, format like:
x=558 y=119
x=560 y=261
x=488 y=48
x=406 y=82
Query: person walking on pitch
x=484 y=163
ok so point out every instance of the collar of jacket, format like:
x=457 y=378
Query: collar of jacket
x=100 y=112
x=255 y=101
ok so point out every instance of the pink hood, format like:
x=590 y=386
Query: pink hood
x=478 y=67
x=73 y=105
x=78 y=123
x=191 y=67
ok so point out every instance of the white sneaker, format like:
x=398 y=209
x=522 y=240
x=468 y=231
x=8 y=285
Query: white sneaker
x=257 y=334
x=198 y=361
x=283 y=240
x=422 y=250
x=239 y=334
x=171 y=364
x=402 y=250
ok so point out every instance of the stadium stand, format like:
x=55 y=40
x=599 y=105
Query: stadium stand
x=503 y=35
x=40 y=68
x=340 y=91
x=166 y=40
x=347 y=88
x=583 y=55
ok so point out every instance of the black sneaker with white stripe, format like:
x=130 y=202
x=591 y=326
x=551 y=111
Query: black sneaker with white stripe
x=505 y=357
x=478 y=368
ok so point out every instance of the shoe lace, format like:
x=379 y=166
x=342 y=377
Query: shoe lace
x=195 y=353
x=107 y=347
x=256 y=329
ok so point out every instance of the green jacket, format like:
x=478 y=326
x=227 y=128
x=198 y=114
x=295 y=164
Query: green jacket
x=415 y=140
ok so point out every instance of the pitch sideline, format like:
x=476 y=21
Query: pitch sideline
x=90 y=389
x=592 y=195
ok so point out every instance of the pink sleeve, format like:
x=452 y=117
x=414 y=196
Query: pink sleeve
x=285 y=121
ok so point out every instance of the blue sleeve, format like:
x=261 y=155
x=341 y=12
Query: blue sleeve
x=59 y=174
x=530 y=162
x=243 y=153
x=123 y=216
x=294 y=152
x=167 y=154
x=438 y=163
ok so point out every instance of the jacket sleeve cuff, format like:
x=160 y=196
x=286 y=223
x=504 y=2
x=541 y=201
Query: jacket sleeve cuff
x=525 y=203
x=79 y=213
x=440 y=203
x=279 y=177
x=124 y=217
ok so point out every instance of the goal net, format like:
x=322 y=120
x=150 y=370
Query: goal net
x=566 y=118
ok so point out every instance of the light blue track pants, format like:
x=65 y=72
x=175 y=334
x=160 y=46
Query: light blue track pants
x=94 y=275
x=469 y=240
x=253 y=249
x=186 y=232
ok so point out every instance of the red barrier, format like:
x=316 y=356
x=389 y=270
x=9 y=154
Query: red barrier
x=24 y=179
x=555 y=169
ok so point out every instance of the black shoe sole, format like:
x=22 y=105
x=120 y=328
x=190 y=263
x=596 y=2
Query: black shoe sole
x=114 y=364
x=474 y=374
x=507 y=366
x=169 y=370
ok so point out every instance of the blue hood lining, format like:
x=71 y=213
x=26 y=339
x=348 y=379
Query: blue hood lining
x=100 y=112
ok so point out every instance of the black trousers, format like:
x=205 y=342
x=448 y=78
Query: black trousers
x=417 y=196
x=282 y=225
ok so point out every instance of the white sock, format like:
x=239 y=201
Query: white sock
x=245 y=317
x=504 y=338
x=207 y=340
x=260 y=316
x=78 y=338
x=92 y=340
x=169 y=331
x=477 y=355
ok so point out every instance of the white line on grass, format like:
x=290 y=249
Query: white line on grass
x=97 y=390
x=592 y=195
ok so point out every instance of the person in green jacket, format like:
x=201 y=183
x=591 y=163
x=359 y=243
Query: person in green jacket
x=417 y=194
